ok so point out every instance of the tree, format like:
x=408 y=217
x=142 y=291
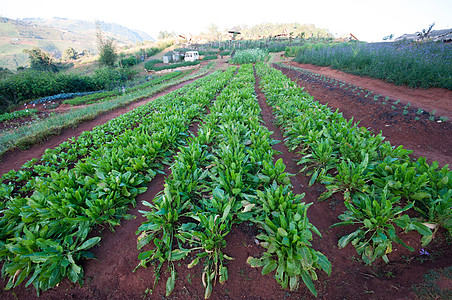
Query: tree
x=165 y=34
x=107 y=48
x=40 y=60
x=388 y=37
x=213 y=32
x=70 y=54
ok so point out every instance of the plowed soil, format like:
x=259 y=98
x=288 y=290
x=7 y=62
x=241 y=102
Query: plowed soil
x=111 y=276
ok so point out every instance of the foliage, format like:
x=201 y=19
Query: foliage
x=210 y=57
x=107 y=48
x=426 y=64
x=129 y=61
x=150 y=65
x=287 y=239
x=40 y=60
x=28 y=85
x=216 y=181
x=374 y=177
x=376 y=215
x=17 y=114
x=249 y=56
x=47 y=245
x=70 y=54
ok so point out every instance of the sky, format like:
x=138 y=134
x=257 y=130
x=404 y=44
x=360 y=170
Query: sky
x=367 y=20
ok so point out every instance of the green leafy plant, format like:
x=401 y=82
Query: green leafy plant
x=376 y=215
x=289 y=251
x=351 y=178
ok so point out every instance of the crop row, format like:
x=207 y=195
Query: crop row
x=17 y=114
x=426 y=64
x=381 y=185
x=26 y=135
x=52 y=208
x=68 y=153
x=364 y=93
x=226 y=175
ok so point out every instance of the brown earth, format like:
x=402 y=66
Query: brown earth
x=111 y=276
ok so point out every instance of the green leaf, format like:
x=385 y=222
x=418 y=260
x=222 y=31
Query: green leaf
x=77 y=269
x=226 y=212
x=177 y=254
x=236 y=191
x=170 y=282
x=308 y=282
x=269 y=267
x=293 y=283
x=88 y=244
x=223 y=274
x=255 y=262
x=193 y=263
x=420 y=196
x=347 y=238
x=421 y=228
x=281 y=232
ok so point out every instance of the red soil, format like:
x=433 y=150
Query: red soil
x=111 y=276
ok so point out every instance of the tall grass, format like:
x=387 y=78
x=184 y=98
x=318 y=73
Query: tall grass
x=426 y=64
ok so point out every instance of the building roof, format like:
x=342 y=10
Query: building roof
x=443 y=35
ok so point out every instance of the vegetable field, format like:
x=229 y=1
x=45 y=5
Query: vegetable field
x=237 y=185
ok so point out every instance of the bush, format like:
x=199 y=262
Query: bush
x=292 y=51
x=129 y=61
x=151 y=63
x=210 y=57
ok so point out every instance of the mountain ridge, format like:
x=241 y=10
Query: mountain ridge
x=55 y=36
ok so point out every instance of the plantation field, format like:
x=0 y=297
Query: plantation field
x=196 y=177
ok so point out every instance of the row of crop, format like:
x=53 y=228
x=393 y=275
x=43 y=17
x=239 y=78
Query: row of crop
x=106 y=95
x=65 y=155
x=249 y=56
x=151 y=65
x=426 y=64
x=226 y=175
x=358 y=91
x=17 y=114
x=44 y=233
x=381 y=184
x=27 y=135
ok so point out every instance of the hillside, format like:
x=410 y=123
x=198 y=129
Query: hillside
x=54 y=36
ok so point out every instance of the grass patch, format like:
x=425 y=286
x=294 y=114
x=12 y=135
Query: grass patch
x=437 y=285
